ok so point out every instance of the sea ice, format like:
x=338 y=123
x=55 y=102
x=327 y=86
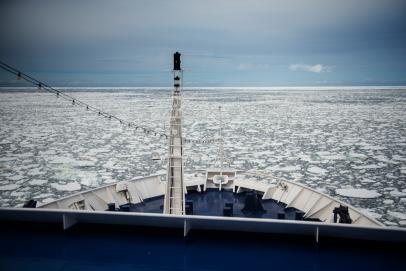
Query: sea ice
x=331 y=156
x=16 y=177
x=87 y=178
x=300 y=128
x=287 y=168
x=397 y=215
x=46 y=195
x=383 y=158
x=111 y=165
x=367 y=181
x=62 y=160
x=357 y=155
x=397 y=193
x=34 y=171
x=17 y=194
x=398 y=158
x=38 y=182
x=47 y=152
x=85 y=163
x=358 y=193
x=67 y=187
x=47 y=200
x=380 y=165
x=9 y=187
x=316 y=170
x=390 y=224
x=6 y=159
x=372 y=213
x=108 y=180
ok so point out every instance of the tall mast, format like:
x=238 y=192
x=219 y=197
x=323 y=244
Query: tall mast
x=175 y=195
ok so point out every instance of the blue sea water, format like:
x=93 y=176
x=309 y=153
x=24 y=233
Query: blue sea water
x=348 y=142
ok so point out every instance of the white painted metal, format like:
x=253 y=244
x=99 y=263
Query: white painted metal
x=190 y=222
x=220 y=154
x=314 y=203
x=97 y=199
x=220 y=180
x=211 y=174
x=174 y=202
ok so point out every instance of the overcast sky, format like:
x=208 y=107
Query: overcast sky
x=223 y=43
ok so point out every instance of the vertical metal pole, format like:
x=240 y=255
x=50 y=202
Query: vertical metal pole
x=221 y=144
x=175 y=194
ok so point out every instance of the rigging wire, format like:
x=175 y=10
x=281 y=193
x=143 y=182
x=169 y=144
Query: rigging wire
x=76 y=102
x=60 y=94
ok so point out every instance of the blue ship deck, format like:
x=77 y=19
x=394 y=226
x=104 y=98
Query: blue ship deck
x=212 y=202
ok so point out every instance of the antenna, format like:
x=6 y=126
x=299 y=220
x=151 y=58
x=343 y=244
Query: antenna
x=221 y=143
x=220 y=158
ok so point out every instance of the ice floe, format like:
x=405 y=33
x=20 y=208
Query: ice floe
x=47 y=200
x=388 y=201
x=372 y=213
x=377 y=166
x=397 y=193
x=9 y=187
x=34 y=171
x=286 y=168
x=17 y=194
x=358 y=193
x=353 y=155
x=88 y=178
x=66 y=187
x=397 y=215
x=367 y=181
x=316 y=170
x=16 y=177
x=38 y=182
x=390 y=223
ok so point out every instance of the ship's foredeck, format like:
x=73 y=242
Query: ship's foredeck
x=212 y=203
x=282 y=199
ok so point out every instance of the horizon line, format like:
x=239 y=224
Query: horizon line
x=223 y=87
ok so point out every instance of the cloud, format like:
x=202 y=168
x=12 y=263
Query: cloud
x=317 y=68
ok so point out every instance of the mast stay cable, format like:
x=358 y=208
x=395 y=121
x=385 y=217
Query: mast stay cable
x=75 y=101
x=88 y=107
